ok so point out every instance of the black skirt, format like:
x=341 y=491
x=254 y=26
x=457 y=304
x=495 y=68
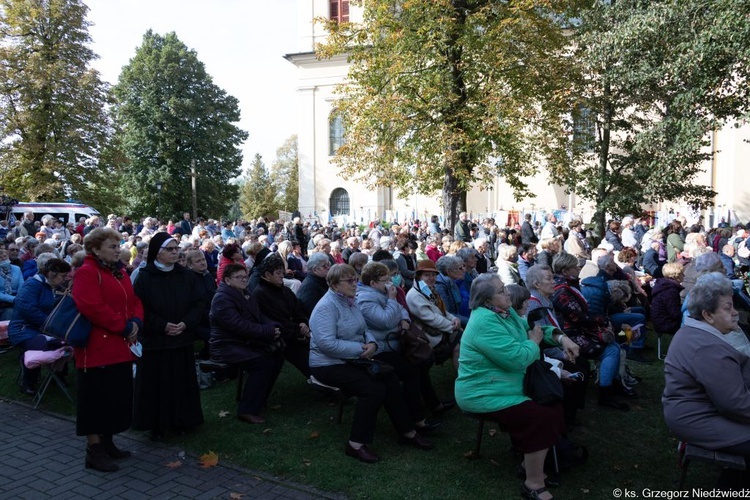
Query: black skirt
x=166 y=391
x=105 y=399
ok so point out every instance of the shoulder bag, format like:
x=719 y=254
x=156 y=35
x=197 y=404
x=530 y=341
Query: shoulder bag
x=415 y=346
x=541 y=384
x=66 y=323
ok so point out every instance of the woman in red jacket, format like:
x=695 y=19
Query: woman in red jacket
x=104 y=295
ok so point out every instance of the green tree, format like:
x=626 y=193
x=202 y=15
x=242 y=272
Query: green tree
x=53 y=106
x=172 y=114
x=285 y=175
x=258 y=195
x=656 y=79
x=444 y=93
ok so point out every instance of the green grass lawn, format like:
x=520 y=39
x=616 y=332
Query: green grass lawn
x=302 y=442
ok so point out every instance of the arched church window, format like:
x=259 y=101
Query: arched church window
x=339 y=202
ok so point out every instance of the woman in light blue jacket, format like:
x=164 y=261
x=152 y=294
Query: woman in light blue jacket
x=339 y=333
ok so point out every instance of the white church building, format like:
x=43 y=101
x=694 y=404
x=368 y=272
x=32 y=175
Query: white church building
x=324 y=194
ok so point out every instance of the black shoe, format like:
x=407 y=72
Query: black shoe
x=607 y=400
x=416 y=441
x=551 y=481
x=29 y=391
x=430 y=424
x=97 y=459
x=624 y=390
x=527 y=492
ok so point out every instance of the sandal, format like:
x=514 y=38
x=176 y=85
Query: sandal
x=527 y=492
x=551 y=480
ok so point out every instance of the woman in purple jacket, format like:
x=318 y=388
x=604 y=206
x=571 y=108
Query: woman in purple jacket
x=666 y=314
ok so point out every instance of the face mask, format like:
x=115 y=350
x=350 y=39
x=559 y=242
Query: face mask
x=396 y=280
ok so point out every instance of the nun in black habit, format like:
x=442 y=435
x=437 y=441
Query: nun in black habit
x=166 y=388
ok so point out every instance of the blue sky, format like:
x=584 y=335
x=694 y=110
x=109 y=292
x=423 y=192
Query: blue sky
x=241 y=43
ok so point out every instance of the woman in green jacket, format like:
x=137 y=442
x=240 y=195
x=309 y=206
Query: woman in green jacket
x=496 y=349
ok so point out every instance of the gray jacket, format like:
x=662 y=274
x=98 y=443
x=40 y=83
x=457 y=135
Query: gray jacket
x=337 y=331
x=382 y=316
x=706 y=399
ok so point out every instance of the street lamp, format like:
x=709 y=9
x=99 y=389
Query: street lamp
x=158 y=209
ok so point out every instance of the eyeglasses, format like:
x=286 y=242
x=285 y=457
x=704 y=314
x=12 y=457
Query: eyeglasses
x=241 y=277
x=171 y=249
x=350 y=280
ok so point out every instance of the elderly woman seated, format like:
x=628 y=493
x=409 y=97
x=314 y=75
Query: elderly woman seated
x=571 y=313
x=314 y=285
x=507 y=264
x=496 y=348
x=453 y=288
x=706 y=399
x=665 y=300
x=442 y=328
x=339 y=333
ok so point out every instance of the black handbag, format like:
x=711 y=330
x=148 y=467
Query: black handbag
x=541 y=384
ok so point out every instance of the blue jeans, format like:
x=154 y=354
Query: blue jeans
x=636 y=316
x=610 y=364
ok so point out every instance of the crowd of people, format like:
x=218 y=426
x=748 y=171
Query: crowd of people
x=336 y=303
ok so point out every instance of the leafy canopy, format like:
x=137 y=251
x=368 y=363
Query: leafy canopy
x=656 y=78
x=53 y=107
x=172 y=114
x=444 y=93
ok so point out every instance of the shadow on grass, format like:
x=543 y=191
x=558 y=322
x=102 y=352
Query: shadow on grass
x=302 y=443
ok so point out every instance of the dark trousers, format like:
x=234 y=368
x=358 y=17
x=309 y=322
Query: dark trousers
x=262 y=373
x=372 y=394
x=426 y=389
x=297 y=352
x=410 y=380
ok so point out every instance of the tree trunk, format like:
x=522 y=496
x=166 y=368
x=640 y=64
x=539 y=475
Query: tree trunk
x=454 y=199
x=604 y=143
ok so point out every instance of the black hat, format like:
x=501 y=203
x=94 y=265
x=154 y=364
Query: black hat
x=156 y=244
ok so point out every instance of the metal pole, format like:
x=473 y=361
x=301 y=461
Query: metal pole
x=193 y=175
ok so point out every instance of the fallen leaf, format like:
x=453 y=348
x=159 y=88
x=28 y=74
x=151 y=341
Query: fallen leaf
x=584 y=490
x=635 y=466
x=236 y=496
x=494 y=463
x=175 y=464
x=275 y=407
x=315 y=435
x=306 y=461
x=470 y=455
x=181 y=455
x=223 y=413
x=267 y=431
x=210 y=459
x=492 y=432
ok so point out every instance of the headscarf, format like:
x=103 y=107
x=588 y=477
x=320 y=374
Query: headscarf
x=158 y=241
